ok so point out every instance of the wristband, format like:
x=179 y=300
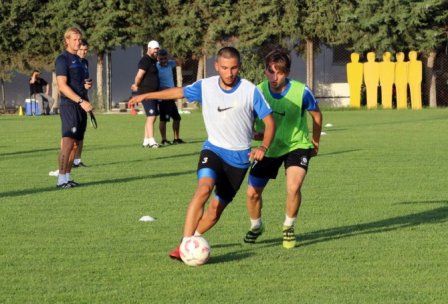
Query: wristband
x=80 y=101
x=263 y=148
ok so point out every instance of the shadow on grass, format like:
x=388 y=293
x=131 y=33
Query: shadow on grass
x=433 y=216
x=100 y=182
x=332 y=129
x=28 y=152
x=230 y=257
x=125 y=161
x=339 y=152
x=92 y=147
x=99 y=147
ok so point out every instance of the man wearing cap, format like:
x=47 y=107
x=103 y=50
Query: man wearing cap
x=147 y=80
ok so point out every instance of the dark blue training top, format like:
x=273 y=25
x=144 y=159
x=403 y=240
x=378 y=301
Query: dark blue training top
x=70 y=65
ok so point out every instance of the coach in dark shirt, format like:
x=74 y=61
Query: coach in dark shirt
x=147 y=80
x=70 y=75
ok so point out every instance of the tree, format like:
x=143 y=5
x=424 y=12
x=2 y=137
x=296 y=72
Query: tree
x=320 y=24
x=16 y=17
x=262 y=26
x=107 y=25
x=194 y=29
x=393 y=25
x=184 y=30
x=44 y=38
x=147 y=17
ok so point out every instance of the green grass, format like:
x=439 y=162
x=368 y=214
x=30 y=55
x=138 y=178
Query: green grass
x=373 y=225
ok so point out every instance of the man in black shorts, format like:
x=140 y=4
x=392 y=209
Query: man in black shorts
x=147 y=80
x=168 y=108
x=70 y=75
x=292 y=146
x=229 y=107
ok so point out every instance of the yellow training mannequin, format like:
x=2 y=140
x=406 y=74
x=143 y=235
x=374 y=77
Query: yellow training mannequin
x=371 y=79
x=354 y=79
x=387 y=71
x=415 y=80
x=401 y=81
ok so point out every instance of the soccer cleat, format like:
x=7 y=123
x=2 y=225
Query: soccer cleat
x=64 y=186
x=178 y=141
x=81 y=164
x=289 y=238
x=153 y=146
x=175 y=254
x=165 y=142
x=73 y=183
x=253 y=234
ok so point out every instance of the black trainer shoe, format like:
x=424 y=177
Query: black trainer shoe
x=73 y=183
x=64 y=186
x=165 y=142
x=178 y=141
x=253 y=234
x=81 y=164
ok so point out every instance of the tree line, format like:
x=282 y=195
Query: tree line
x=32 y=31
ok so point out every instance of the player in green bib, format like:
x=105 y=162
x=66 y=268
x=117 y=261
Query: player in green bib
x=292 y=145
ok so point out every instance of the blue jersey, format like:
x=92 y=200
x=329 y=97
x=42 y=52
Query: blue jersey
x=71 y=66
x=166 y=77
x=309 y=102
x=85 y=64
x=229 y=116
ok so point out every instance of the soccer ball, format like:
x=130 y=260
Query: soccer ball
x=194 y=251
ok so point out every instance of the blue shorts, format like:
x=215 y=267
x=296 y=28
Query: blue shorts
x=74 y=120
x=151 y=107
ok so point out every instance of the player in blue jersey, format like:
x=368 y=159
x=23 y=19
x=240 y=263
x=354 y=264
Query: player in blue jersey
x=229 y=107
x=82 y=53
x=167 y=108
x=292 y=145
x=70 y=76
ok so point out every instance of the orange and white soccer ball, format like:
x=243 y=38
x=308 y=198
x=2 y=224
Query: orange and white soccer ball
x=194 y=251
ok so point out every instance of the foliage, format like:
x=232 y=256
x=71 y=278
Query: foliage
x=145 y=21
x=107 y=24
x=393 y=25
x=321 y=20
x=183 y=28
x=264 y=25
x=32 y=30
x=199 y=27
x=17 y=26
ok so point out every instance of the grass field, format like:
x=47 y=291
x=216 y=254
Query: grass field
x=373 y=227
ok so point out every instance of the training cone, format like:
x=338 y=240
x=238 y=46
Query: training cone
x=20 y=111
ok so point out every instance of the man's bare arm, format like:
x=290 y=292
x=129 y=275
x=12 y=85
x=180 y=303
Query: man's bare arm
x=168 y=94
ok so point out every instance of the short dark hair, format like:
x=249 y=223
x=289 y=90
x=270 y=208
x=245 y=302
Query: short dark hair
x=281 y=60
x=84 y=42
x=163 y=52
x=229 y=52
